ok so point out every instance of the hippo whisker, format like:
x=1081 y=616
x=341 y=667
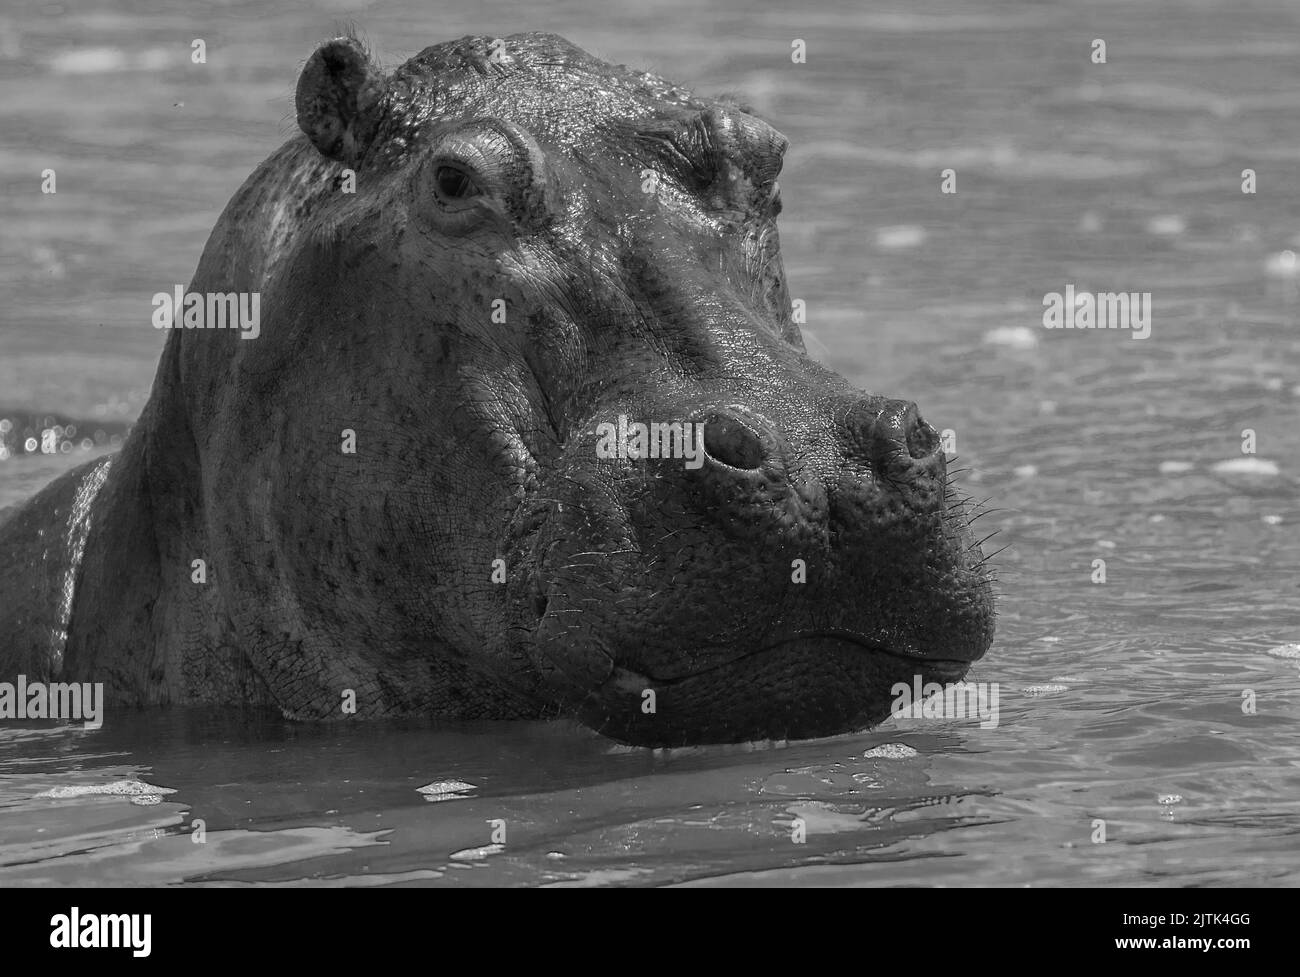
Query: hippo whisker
x=990 y=557
x=605 y=553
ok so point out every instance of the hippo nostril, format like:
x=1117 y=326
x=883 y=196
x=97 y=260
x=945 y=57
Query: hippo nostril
x=899 y=426
x=922 y=439
x=728 y=440
x=886 y=433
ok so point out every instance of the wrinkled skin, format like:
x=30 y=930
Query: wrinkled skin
x=518 y=176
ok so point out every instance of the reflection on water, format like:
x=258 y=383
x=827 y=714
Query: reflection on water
x=1121 y=701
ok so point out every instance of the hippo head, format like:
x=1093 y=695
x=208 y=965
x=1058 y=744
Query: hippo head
x=592 y=471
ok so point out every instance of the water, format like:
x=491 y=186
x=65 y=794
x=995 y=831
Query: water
x=1120 y=701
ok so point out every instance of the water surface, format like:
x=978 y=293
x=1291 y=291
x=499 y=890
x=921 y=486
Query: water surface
x=1120 y=701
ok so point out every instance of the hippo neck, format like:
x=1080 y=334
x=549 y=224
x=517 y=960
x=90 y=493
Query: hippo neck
x=148 y=619
x=140 y=621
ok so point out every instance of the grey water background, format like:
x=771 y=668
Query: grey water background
x=1120 y=701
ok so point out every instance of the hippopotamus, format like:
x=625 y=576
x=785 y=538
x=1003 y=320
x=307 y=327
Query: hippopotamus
x=421 y=484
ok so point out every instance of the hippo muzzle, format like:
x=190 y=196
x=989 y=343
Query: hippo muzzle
x=777 y=584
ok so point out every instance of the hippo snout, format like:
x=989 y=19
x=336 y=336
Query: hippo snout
x=815 y=537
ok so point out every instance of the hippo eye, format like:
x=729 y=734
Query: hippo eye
x=455 y=184
x=484 y=173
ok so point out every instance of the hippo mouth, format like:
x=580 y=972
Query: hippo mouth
x=801 y=686
x=933 y=665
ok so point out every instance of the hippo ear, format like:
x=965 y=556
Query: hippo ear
x=338 y=99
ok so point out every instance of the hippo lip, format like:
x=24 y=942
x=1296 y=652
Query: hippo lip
x=939 y=666
x=804 y=685
x=854 y=638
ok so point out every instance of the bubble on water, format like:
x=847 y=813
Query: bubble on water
x=30 y=445
x=1175 y=467
x=1105 y=544
x=900 y=238
x=87 y=444
x=476 y=854
x=1037 y=690
x=1291 y=651
x=445 y=787
x=154 y=58
x=1246 y=466
x=1222 y=107
x=1158 y=517
x=65 y=446
x=88 y=61
x=117 y=788
x=1025 y=471
x=6 y=425
x=890 y=751
x=1171 y=798
x=1013 y=337
x=1284 y=264
x=1090 y=222
x=556 y=854
x=446 y=790
x=1166 y=225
